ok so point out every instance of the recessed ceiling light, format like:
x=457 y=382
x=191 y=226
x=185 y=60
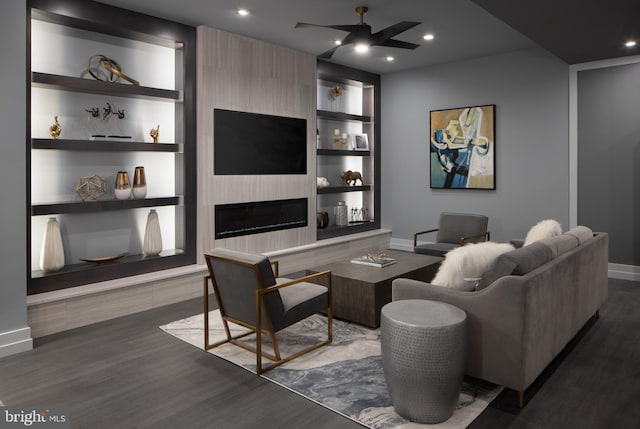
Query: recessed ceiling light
x=338 y=42
x=630 y=44
x=390 y=58
x=243 y=12
x=361 y=48
x=428 y=36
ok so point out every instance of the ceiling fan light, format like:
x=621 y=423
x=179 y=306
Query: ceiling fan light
x=361 y=48
x=428 y=36
x=338 y=42
x=243 y=12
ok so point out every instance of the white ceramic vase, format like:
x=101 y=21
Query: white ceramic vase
x=152 y=244
x=52 y=252
x=139 y=192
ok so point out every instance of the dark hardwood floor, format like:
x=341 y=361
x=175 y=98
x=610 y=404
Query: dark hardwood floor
x=127 y=373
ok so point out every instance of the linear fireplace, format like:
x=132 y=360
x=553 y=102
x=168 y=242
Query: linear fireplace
x=232 y=220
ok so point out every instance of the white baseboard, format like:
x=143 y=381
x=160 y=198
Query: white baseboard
x=624 y=272
x=402 y=244
x=16 y=341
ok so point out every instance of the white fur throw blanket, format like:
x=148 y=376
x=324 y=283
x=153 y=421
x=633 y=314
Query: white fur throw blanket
x=543 y=229
x=468 y=262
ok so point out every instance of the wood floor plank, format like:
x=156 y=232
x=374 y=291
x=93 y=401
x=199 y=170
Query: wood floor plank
x=127 y=373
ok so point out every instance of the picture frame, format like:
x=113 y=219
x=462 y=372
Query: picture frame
x=360 y=142
x=462 y=148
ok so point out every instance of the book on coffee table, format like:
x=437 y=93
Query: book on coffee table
x=365 y=260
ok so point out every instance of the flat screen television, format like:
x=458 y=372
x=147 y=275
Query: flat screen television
x=253 y=144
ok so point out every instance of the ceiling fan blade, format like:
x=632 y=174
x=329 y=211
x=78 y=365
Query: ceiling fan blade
x=328 y=54
x=393 y=30
x=346 y=41
x=348 y=28
x=392 y=43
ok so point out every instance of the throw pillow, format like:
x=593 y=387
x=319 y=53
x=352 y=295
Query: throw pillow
x=500 y=267
x=560 y=244
x=466 y=262
x=543 y=229
x=582 y=233
x=529 y=258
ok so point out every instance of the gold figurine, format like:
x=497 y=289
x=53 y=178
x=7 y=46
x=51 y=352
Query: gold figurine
x=155 y=133
x=55 y=129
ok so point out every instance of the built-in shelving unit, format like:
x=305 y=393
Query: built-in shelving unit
x=161 y=54
x=67 y=83
x=355 y=111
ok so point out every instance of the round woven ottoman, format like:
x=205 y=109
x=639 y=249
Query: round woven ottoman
x=424 y=345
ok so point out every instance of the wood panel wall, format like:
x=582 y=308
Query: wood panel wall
x=239 y=73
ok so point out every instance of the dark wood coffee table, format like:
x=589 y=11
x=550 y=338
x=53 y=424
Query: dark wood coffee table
x=360 y=291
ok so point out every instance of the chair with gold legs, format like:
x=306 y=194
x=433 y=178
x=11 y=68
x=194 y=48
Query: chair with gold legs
x=250 y=294
x=454 y=230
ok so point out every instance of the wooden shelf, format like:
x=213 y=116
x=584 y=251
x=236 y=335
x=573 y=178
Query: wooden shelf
x=340 y=189
x=101 y=206
x=77 y=274
x=340 y=152
x=352 y=228
x=340 y=116
x=76 y=84
x=104 y=145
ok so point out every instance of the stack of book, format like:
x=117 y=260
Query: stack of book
x=373 y=261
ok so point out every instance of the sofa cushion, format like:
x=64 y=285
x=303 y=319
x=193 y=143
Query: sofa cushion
x=543 y=229
x=529 y=257
x=500 y=267
x=582 y=233
x=560 y=244
x=466 y=262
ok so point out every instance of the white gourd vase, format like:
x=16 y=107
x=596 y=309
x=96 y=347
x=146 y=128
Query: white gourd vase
x=52 y=252
x=152 y=236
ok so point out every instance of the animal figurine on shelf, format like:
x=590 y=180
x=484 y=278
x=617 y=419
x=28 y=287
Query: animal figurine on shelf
x=351 y=177
x=55 y=130
x=155 y=133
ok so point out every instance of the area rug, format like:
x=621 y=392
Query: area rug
x=346 y=376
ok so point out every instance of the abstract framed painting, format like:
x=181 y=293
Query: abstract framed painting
x=462 y=150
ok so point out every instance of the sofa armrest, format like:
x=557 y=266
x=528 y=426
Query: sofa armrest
x=495 y=322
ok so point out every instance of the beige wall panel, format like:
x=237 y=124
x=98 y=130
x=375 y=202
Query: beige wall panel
x=358 y=245
x=56 y=316
x=239 y=73
x=47 y=318
x=176 y=290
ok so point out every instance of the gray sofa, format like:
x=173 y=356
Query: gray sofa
x=519 y=322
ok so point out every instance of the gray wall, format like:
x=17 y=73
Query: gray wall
x=530 y=91
x=14 y=333
x=609 y=156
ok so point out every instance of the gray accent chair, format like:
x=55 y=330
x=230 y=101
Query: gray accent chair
x=454 y=230
x=250 y=294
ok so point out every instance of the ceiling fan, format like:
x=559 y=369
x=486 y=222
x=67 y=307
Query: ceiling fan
x=360 y=34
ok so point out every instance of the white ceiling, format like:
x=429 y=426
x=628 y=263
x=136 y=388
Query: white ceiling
x=462 y=29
